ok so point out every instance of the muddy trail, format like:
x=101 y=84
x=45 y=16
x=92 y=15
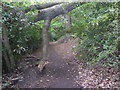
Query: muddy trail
x=59 y=73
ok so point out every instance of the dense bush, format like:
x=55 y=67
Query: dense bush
x=24 y=36
x=96 y=25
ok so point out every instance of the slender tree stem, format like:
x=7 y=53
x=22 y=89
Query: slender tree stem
x=45 y=38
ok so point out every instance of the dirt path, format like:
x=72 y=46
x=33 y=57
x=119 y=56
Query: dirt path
x=64 y=72
x=60 y=73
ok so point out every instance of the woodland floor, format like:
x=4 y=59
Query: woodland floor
x=59 y=73
x=64 y=71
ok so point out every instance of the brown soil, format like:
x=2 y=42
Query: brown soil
x=59 y=73
x=64 y=71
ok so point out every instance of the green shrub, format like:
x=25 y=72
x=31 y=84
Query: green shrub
x=24 y=36
x=57 y=29
x=96 y=24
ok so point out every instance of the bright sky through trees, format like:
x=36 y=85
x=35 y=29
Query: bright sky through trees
x=62 y=0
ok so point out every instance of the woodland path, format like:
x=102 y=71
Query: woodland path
x=60 y=73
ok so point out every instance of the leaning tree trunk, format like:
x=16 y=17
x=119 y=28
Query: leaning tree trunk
x=47 y=15
x=45 y=39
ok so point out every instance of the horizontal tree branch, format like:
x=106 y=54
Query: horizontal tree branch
x=56 y=10
x=40 y=6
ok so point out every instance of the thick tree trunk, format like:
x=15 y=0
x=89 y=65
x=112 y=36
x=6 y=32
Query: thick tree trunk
x=45 y=39
x=8 y=49
x=6 y=60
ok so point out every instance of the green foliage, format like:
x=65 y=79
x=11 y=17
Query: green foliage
x=24 y=36
x=96 y=25
x=57 y=28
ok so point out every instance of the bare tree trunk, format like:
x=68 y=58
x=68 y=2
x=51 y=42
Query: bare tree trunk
x=45 y=39
x=7 y=46
x=67 y=26
x=6 y=59
x=56 y=10
x=68 y=21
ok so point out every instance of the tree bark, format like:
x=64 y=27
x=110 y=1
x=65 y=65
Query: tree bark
x=41 y=6
x=45 y=38
x=6 y=60
x=7 y=46
x=55 y=10
x=68 y=21
x=47 y=15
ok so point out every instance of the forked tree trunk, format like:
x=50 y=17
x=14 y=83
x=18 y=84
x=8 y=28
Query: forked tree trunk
x=45 y=39
x=47 y=15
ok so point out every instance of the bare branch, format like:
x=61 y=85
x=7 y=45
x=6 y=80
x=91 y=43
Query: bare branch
x=41 y=6
x=56 y=10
